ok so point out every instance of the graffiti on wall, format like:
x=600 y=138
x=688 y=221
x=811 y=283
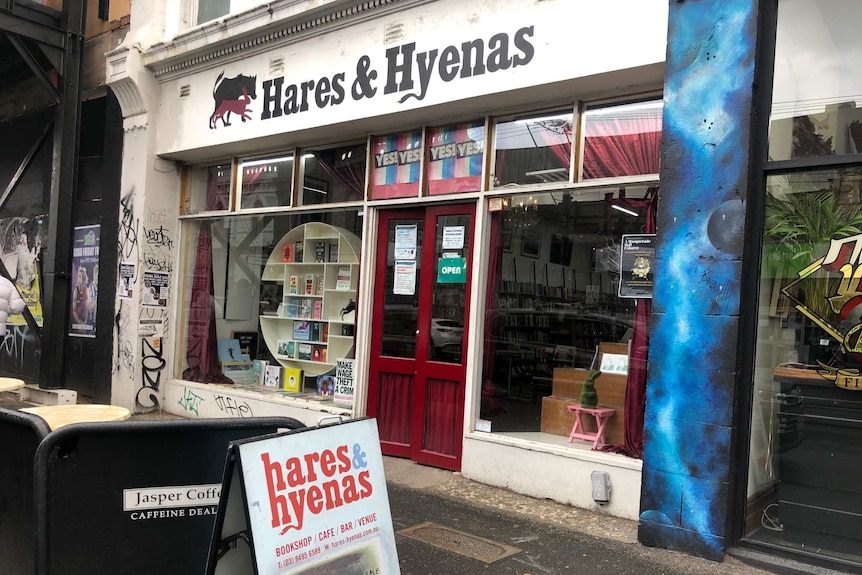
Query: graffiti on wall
x=705 y=144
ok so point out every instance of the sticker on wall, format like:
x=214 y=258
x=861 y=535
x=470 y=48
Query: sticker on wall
x=85 y=291
x=155 y=292
x=126 y=281
x=405 y=278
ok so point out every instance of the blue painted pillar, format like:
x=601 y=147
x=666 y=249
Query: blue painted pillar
x=708 y=104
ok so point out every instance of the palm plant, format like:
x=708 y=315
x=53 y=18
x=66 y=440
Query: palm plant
x=802 y=225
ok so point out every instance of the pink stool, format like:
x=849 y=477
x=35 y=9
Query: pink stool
x=602 y=414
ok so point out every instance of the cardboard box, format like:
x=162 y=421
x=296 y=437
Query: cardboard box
x=610 y=387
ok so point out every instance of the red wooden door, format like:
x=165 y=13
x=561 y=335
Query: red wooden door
x=419 y=330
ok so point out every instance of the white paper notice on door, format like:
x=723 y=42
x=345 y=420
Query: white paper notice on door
x=405 y=278
x=405 y=242
x=453 y=237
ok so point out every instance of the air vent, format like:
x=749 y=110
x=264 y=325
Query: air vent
x=276 y=66
x=185 y=91
x=394 y=33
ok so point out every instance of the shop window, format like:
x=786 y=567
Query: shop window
x=622 y=140
x=397 y=163
x=806 y=426
x=212 y=9
x=816 y=102
x=208 y=189
x=266 y=182
x=455 y=155
x=533 y=150
x=553 y=310
x=331 y=175
x=275 y=284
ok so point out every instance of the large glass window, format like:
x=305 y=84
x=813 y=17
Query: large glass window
x=332 y=175
x=553 y=310
x=208 y=189
x=806 y=434
x=280 y=285
x=623 y=140
x=534 y=149
x=397 y=165
x=266 y=182
x=817 y=89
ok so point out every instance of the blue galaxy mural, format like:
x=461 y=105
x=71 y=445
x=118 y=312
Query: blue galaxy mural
x=690 y=388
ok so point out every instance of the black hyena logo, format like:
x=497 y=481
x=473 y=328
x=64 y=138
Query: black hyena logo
x=232 y=96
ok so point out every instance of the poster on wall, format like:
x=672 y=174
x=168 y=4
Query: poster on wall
x=155 y=292
x=126 y=280
x=344 y=382
x=405 y=278
x=637 y=260
x=405 y=242
x=308 y=501
x=85 y=288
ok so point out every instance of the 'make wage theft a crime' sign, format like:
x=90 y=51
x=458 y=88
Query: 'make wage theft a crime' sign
x=306 y=502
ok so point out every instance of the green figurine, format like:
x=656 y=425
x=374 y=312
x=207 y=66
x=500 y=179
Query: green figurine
x=589 y=398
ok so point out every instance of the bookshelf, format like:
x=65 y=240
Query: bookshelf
x=314 y=325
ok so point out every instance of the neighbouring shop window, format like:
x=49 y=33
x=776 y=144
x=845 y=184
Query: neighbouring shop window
x=208 y=189
x=553 y=313
x=266 y=182
x=455 y=155
x=622 y=140
x=397 y=163
x=533 y=150
x=212 y=9
x=806 y=427
x=331 y=175
x=816 y=88
x=271 y=282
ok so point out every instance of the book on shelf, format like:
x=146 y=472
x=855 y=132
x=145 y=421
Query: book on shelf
x=298 y=250
x=272 y=376
x=258 y=366
x=347 y=330
x=326 y=385
x=318 y=284
x=229 y=350
x=291 y=349
x=238 y=371
x=314 y=331
x=320 y=252
x=293 y=285
x=318 y=353
x=317 y=310
x=292 y=379
x=303 y=351
x=281 y=347
x=309 y=284
x=342 y=281
x=305 y=308
x=287 y=253
x=324 y=332
x=301 y=330
x=333 y=251
x=292 y=308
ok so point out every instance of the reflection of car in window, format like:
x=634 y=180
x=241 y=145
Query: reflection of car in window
x=446 y=336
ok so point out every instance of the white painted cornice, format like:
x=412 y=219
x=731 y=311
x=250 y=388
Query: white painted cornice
x=264 y=28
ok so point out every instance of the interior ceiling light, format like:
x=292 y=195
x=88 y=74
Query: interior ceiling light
x=625 y=210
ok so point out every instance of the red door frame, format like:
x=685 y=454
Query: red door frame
x=420 y=367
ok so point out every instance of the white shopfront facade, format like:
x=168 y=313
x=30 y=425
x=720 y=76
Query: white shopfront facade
x=324 y=73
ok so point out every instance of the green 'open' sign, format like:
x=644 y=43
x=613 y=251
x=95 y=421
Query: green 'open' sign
x=451 y=271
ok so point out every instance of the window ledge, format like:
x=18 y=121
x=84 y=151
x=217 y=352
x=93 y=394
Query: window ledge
x=558 y=445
